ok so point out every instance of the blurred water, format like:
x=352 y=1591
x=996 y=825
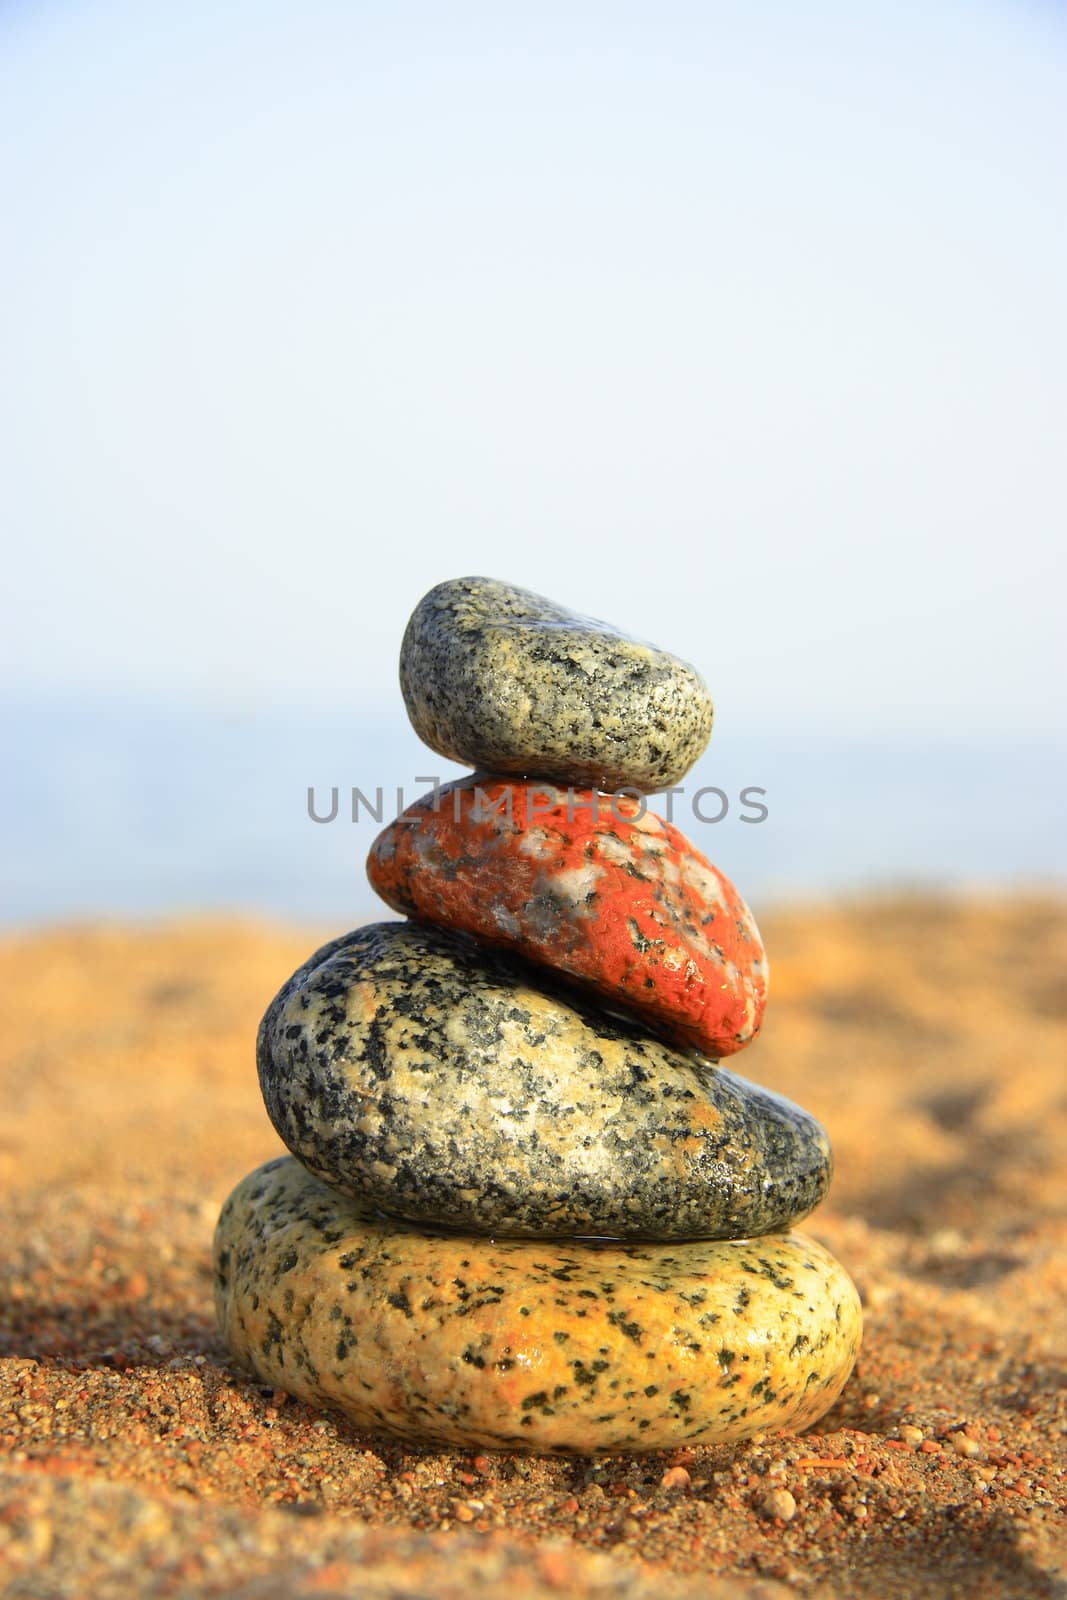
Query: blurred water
x=122 y=810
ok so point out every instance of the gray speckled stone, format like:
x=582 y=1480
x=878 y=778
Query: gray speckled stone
x=512 y=1344
x=508 y=682
x=446 y=1083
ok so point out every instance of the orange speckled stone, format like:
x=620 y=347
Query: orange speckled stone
x=617 y=899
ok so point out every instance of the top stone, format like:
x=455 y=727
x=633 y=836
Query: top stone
x=505 y=681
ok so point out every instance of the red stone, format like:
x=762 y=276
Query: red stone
x=620 y=902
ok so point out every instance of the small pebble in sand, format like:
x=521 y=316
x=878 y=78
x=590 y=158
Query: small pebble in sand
x=912 y=1435
x=675 y=1478
x=778 y=1503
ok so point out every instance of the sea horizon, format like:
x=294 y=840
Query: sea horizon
x=136 y=809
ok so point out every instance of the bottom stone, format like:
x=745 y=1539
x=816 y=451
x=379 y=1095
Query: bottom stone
x=561 y=1346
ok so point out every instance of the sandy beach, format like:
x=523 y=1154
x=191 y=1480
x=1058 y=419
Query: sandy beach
x=929 y=1036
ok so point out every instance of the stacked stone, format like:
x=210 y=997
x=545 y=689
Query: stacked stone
x=529 y=1208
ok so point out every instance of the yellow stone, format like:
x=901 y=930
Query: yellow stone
x=564 y=1346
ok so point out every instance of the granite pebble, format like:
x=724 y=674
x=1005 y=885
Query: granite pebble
x=505 y=681
x=441 y=1081
x=563 y=1347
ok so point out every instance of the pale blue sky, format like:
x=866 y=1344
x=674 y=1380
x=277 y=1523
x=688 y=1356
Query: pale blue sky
x=740 y=324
